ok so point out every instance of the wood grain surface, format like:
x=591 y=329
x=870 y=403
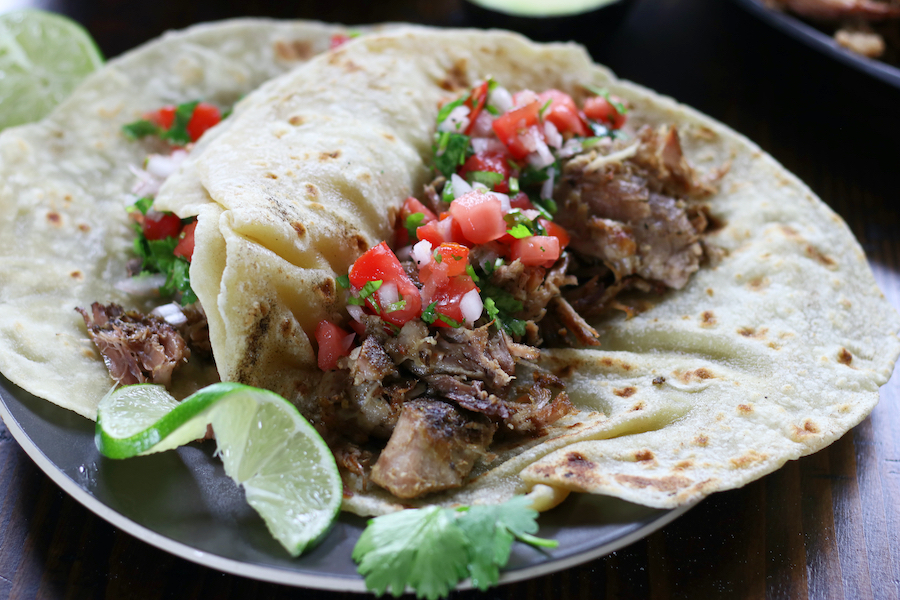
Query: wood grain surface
x=825 y=526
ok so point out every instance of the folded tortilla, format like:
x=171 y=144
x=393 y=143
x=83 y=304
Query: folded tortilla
x=65 y=237
x=770 y=354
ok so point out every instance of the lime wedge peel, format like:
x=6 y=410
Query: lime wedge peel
x=43 y=57
x=288 y=472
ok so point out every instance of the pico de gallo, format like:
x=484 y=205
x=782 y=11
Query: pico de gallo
x=542 y=212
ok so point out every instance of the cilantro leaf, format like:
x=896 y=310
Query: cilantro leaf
x=447 y=192
x=143 y=204
x=412 y=223
x=344 y=281
x=491 y=530
x=451 y=152
x=140 y=129
x=488 y=178
x=448 y=108
x=422 y=548
x=432 y=549
x=519 y=231
x=178 y=133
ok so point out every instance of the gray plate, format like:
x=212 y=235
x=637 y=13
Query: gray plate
x=183 y=503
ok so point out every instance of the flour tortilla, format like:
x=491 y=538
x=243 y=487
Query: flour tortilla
x=64 y=234
x=768 y=355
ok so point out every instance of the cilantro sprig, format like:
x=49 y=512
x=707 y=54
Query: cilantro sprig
x=158 y=256
x=177 y=134
x=432 y=549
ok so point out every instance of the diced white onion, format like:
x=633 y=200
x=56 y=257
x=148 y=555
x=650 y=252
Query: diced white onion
x=421 y=253
x=483 y=145
x=504 y=201
x=525 y=97
x=477 y=185
x=388 y=294
x=547 y=186
x=460 y=186
x=356 y=312
x=171 y=313
x=484 y=124
x=529 y=137
x=531 y=213
x=146 y=184
x=542 y=155
x=501 y=99
x=553 y=136
x=163 y=166
x=471 y=306
x=404 y=253
x=571 y=148
x=456 y=121
x=142 y=285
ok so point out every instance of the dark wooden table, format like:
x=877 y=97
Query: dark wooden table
x=826 y=526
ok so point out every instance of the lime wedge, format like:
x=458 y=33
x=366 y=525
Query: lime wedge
x=288 y=472
x=43 y=56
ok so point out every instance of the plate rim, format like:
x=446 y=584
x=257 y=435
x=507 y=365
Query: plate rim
x=815 y=39
x=272 y=574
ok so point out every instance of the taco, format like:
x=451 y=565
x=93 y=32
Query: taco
x=66 y=239
x=758 y=336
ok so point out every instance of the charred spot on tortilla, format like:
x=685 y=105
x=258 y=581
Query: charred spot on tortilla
x=312 y=191
x=643 y=455
x=637 y=407
x=659 y=380
x=748 y=458
x=759 y=283
x=299 y=228
x=745 y=409
x=84 y=227
x=753 y=333
x=325 y=156
x=456 y=78
x=79 y=276
x=626 y=392
x=820 y=257
x=294 y=50
x=844 y=357
x=669 y=483
x=708 y=319
x=54 y=218
x=270 y=176
x=327 y=291
x=297 y=120
x=701 y=440
x=260 y=323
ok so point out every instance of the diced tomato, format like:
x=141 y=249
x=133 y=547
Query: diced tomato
x=338 y=40
x=456 y=256
x=445 y=229
x=494 y=162
x=563 y=113
x=556 y=231
x=379 y=263
x=164 y=117
x=537 y=250
x=160 y=225
x=521 y=202
x=480 y=215
x=510 y=126
x=476 y=103
x=333 y=343
x=410 y=207
x=601 y=109
x=205 y=116
x=185 y=247
x=448 y=297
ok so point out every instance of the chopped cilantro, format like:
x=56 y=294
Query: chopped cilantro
x=143 y=204
x=394 y=306
x=432 y=549
x=178 y=133
x=140 y=129
x=492 y=109
x=545 y=107
x=451 y=322
x=428 y=315
x=370 y=288
x=519 y=231
x=531 y=177
x=412 y=223
x=513 y=186
x=452 y=150
x=437 y=257
x=158 y=257
x=344 y=281
x=470 y=270
x=500 y=305
x=488 y=178
x=447 y=192
x=546 y=206
x=604 y=93
x=448 y=108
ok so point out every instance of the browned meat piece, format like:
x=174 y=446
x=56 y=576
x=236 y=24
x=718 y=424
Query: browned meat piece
x=135 y=348
x=433 y=448
x=534 y=287
x=574 y=323
x=537 y=409
x=196 y=330
x=660 y=155
x=470 y=396
x=836 y=10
